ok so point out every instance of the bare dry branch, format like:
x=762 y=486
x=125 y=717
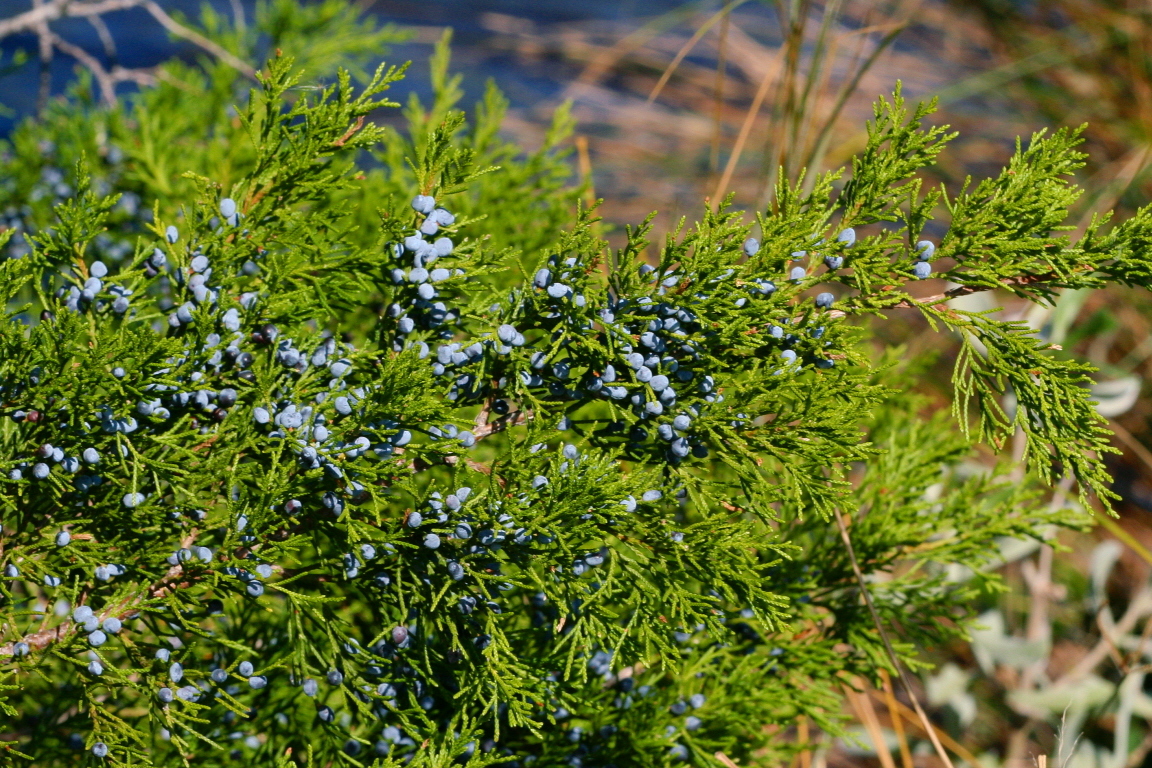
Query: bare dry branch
x=45 y=46
x=44 y=12
x=1139 y=607
x=193 y=36
x=57 y=9
x=138 y=76
x=91 y=63
x=105 y=35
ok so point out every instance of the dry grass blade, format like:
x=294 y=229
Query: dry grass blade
x=688 y=46
x=745 y=129
x=1129 y=440
x=819 y=68
x=584 y=163
x=1114 y=528
x=802 y=129
x=1131 y=165
x=603 y=63
x=993 y=79
x=727 y=761
x=1132 y=443
x=718 y=92
x=912 y=719
x=1139 y=607
x=867 y=716
x=897 y=722
x=931 y=731
x=821 y=143
x=802 y=738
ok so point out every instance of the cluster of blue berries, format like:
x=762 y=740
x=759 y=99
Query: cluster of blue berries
x=175 y=684
x=195 y=279
x=95 y=291
x=925 y=249
x=185 y=386
x=656 y=358
x=98 y=630
x=48 y=455
x=659 y=342
x=415 y=307
x=556 y=279
x=454 y=358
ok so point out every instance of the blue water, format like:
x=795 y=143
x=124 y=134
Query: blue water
x=142 y=42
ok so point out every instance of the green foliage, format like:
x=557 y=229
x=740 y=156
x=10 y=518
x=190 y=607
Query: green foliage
x=501 y=494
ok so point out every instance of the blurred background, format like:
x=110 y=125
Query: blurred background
x=678 y=102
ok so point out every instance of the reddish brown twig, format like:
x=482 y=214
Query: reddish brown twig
x=937 y=301
x=350 y=132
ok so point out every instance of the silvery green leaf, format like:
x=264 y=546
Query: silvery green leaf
x=1117 y=396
